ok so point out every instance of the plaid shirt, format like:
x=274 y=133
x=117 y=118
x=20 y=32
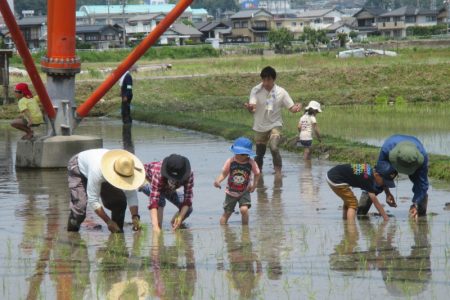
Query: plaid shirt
x=159 y=185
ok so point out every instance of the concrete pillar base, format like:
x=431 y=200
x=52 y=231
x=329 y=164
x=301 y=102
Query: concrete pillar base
x=53 y=152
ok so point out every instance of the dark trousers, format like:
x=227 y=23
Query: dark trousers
x=126 y=110
x=113 y=198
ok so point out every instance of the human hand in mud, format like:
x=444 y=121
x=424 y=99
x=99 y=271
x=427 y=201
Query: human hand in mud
x=413 y=212
x=113 y=227
x=390 y=200
x=136 y=220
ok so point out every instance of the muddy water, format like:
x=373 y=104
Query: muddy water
x=296 y=245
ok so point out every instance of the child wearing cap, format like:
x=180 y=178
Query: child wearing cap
x=373 y=180
x=30 y=111
x=307 y=125
x=239 y=170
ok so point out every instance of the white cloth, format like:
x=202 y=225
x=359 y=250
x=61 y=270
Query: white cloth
x=89 y=163
x=269 y=106
x=306 y=126
x=122 y=78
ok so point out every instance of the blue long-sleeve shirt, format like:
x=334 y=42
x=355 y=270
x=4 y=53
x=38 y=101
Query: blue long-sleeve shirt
x=418 y=178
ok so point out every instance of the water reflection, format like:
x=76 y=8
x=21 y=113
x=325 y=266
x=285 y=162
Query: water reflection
x=174 y=273
x=270 y=226
x=343 y=258
x=308 y=190
x=245 y=268
x=70 y=266
x=127 y=138
x=41 y=216
x=403 y=275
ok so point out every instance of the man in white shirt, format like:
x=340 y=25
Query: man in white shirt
x=266 y=102
x=104 y=178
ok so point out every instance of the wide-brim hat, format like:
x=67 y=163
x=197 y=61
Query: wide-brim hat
x=314 y=105
x=122 y=169
x=176 y=167
x=406 y=158
x=242 y=145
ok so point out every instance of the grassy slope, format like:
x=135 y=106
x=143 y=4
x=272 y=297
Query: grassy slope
x=419 y=75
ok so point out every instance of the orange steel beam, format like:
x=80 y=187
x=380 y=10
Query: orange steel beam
x=61 y=58
x=22 y=48
x=140 y=50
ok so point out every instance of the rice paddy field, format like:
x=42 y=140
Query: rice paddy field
x=295 y=247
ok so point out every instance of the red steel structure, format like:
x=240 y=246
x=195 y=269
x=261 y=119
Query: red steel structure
x=84 y=109
x=28 y=62
x=61 y=60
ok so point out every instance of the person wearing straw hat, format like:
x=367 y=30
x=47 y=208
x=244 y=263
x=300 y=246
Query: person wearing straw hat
x=30 y=111
x=408 y=156
x=104 y=178
x=164 y=178
x=239 y=170
x=266 y=103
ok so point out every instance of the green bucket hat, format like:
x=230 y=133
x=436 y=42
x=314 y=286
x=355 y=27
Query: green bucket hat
x=406 y=158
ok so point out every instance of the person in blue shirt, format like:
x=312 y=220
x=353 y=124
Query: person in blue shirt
x=408 y=156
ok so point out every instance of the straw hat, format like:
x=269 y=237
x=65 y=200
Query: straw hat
x=122 y=169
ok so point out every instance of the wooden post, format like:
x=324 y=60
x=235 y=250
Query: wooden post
x=4 y=73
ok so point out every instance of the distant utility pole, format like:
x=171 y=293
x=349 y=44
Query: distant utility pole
x=124 y=3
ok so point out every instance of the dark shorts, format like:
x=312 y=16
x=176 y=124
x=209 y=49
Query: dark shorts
x=304 y=143
x=230 y=202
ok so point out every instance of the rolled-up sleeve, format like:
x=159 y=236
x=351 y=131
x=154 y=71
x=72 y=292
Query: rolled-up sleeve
x=189 y=191
x=93 y=192
x=132 y=198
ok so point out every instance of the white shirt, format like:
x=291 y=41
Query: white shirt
x=268 y=107
x=306 y=126
x=89 y=163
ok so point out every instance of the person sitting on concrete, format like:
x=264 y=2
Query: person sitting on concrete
x=408 y=156
x=30 y=111
x=104 y=178
x=164 y=178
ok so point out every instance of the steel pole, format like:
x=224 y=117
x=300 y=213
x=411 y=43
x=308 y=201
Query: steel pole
x=83 y=110
x=28 y=62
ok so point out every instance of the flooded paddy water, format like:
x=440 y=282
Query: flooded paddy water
x=296 y=246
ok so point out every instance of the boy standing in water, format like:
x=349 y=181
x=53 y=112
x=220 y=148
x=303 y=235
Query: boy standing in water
x=307 y=125
x=239 y=170
x=342 y=178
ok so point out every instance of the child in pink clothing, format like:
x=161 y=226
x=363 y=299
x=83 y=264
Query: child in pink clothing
x=239 y=170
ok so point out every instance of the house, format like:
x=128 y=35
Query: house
x=251 y=25
x=179 y=34
x=367 y=18
x=291 y=22
x=443 y=16
x=34 y=30
x=340 y=27
x=214 y=29
x=143 y=24
x=395 y=22
x=119 y=14
x=101 y=36
x=321 y=18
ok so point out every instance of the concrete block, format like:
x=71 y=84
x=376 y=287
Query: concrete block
x=53 y=152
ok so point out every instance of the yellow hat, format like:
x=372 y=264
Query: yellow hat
x=123 y=169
